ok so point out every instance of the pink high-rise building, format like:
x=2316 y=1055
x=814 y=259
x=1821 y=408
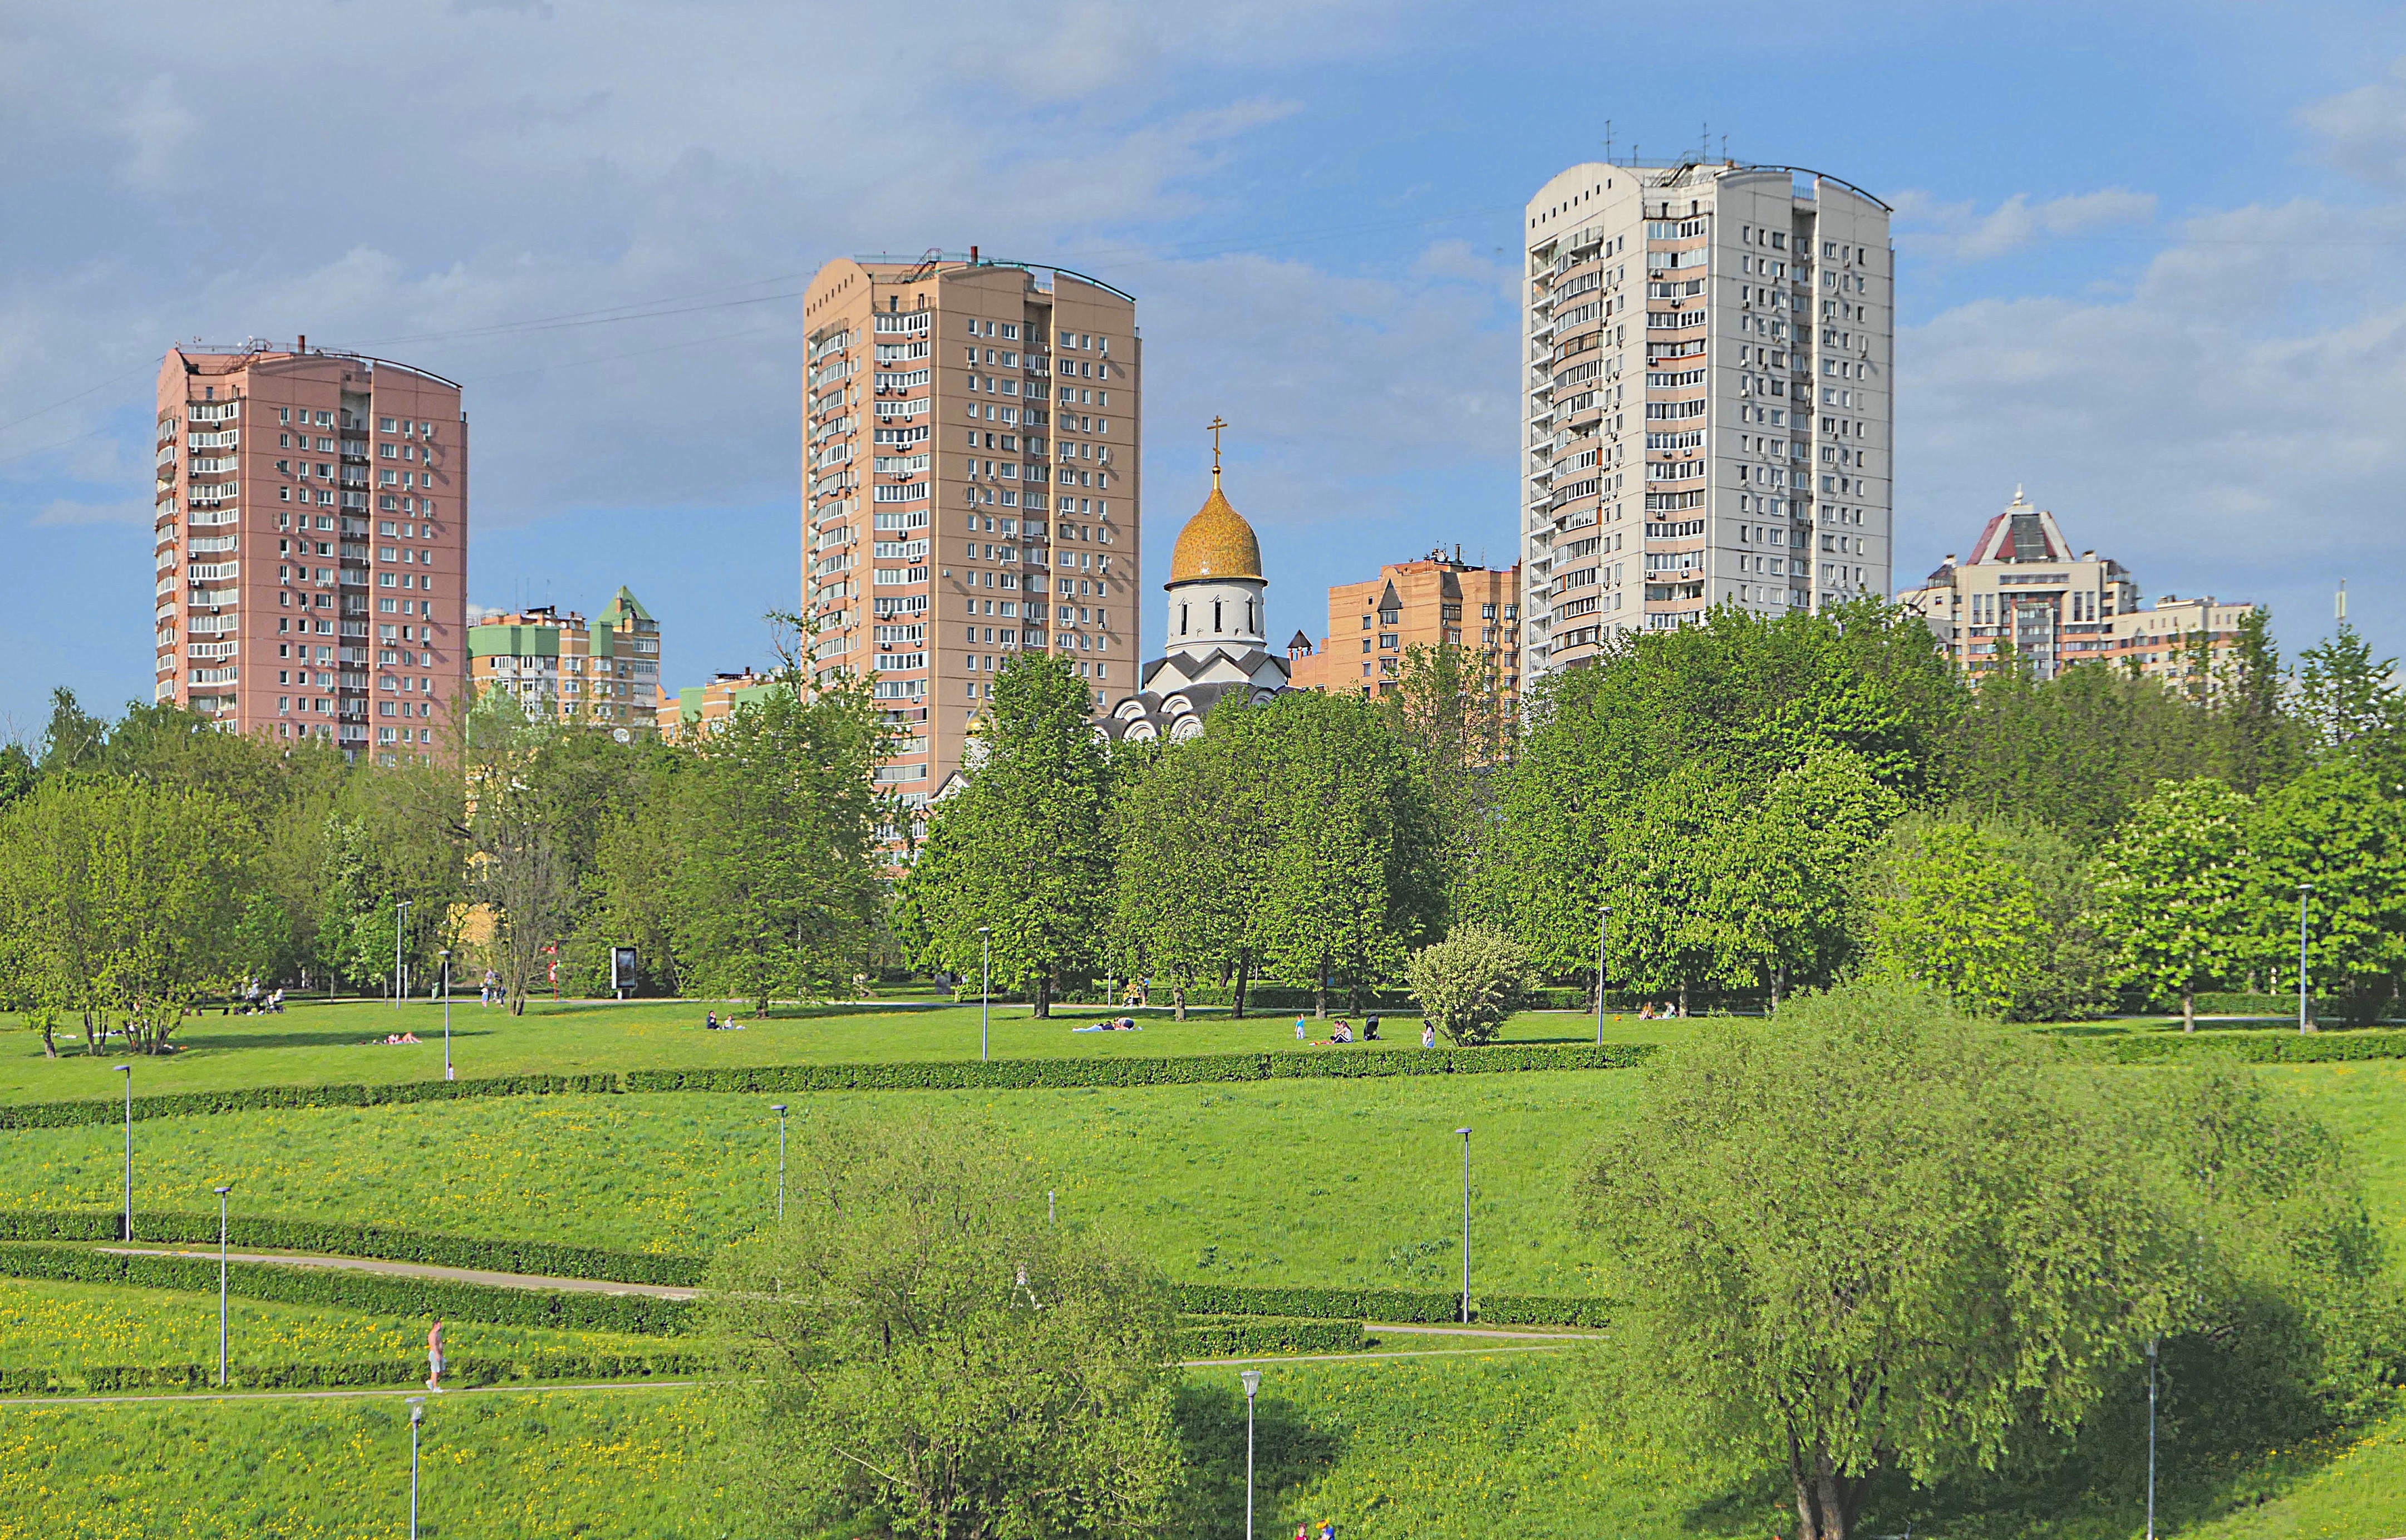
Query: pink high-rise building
x=312 y=546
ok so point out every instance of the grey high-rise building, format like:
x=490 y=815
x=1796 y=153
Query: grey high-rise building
x=1708 y=399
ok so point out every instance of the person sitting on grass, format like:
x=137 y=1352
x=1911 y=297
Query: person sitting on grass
x=1428 y=1035
x=1370 y=1030
x=710 y=1021
x=1341 y=1033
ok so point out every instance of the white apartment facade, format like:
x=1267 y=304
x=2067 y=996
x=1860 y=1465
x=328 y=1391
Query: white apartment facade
x=1707 y=398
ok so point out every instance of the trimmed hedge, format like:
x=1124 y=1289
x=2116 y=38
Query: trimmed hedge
x=2334 y=1047
x=1245 y=1336
x=179 y=1104
x=1405 y=1307
x=97 y=1379
x=1189 y=1069
x=379 y=1293
x=363 y=1240
x=933 y=1075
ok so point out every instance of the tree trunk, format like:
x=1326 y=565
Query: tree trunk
x=1683 y=999
x=1043 y=1008
x=1320 y=995
x=2188 y=1009
x=1825 y=1500
x=1244 y=966
x=1178 y=1000
x=50 y=1037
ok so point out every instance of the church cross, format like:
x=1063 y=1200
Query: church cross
x=1213 y=426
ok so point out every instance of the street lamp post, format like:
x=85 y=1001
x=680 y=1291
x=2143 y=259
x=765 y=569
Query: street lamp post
x=221 y=1285
x=416 y=1415
x=779 y=1110
x=1601 y=922
x=2151 y=1438
x=985 y=985
x=1466 y=1225
x=2305 y=1008
x=446 y=955
x=400 y=918
x=1252 y=1378
x=127 y=1070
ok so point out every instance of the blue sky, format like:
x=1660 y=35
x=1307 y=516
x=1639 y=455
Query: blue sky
x=2147 y=260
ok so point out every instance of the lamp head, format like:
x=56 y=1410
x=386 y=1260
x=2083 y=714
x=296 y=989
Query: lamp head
x=222 y=1191
x=778 y=1107
x=1464 y=1132
x=984 y=930
x=125 y=1069
x=1252 y=1378
x=416 y=1409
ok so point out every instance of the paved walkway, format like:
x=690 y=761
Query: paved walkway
x=427 y=1270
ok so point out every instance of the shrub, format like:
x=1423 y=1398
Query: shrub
x=1470 y=981
x=1243 y=1336
x=1405 y=1307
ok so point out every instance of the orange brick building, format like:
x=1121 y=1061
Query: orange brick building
x=1422 y=603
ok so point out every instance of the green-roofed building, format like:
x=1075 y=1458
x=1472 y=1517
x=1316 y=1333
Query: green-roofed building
x=555 y=664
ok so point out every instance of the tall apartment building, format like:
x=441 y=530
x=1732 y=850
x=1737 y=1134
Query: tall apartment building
x=1426 y=603
x=970 y=434
x=2024 y=594
x=312 y=544
x=1707 y=402
x=606 y=675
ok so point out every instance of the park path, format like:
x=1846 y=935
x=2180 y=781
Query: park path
x=425 y=1271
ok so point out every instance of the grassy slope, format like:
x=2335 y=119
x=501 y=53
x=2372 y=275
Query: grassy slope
x=1459 y=1449
x=1306 y=1182
x=314 y=1043
x=50 y=1325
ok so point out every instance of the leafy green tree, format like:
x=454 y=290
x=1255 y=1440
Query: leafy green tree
x=2344 y=694
x=1661 y=869
x=916 y=1351
x=775 y=880
x=1356 y=877
x=123 y=902
x=2262 y=745
x=1870 y=1240
x=1470 y=983
x=74 y=739
x=1881 y=1239
x=2174 y=888
x=2074 y=752
x=1945 y=905
x=1781 y=903
x=1024 y=847
x=18 y=773
x=2332 y=828
x=1191 y=859
x=1450 y=711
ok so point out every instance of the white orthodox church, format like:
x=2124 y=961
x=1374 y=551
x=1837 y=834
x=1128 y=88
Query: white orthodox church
x=1216 y=641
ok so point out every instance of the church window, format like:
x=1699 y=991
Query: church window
x=1182 y=620
x=1216 y=626
x=1249 y=615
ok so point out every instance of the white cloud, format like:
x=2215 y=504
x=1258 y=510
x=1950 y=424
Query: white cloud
x=2364 y=130
x=156 y=126
x=1960 y=231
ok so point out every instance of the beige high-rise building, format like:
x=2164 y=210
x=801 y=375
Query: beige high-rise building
x=971 y=433
x=1707 y=404
x=1429 y=603
x=312 y=544
x=606 y=675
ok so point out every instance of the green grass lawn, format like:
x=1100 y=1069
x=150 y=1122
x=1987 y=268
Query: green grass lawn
x=1304 y=1181
x=73 y=1325
x=315 y=1043
x=1461 y=1447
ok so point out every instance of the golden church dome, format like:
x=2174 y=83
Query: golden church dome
x=1217 y=542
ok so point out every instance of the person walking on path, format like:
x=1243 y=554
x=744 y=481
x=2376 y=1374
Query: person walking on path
x=435 y=1359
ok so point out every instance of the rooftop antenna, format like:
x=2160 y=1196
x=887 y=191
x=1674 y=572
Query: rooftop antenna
x=1724 y=148
x=1607 y=141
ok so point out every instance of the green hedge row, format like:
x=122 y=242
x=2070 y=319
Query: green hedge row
x=378 y=1241
x=934 y=1075
x=458 y=1372
x=2249 y=1048
x=177 y=1103
x=1190 y=1069
x=1409 y=1306
x=378 y=1293
x=1244 y=1336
